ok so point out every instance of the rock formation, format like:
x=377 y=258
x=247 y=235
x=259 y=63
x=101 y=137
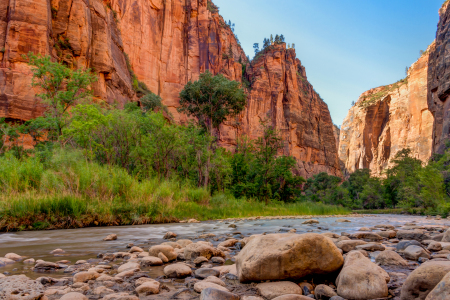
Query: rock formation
x=281 y=95
x=163 y=44
x=439 y=82
x=386 y=120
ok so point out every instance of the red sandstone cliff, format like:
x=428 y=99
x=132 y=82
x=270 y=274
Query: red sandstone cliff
x=439 y=81
x=281 y=94
x=387 y=119
x=166 y=43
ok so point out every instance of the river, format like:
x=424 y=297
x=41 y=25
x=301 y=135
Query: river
x=86 y=243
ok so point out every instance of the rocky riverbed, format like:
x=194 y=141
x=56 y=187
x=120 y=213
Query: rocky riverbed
x=351 y=257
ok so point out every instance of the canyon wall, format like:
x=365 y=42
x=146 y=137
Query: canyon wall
x=387 y=119
x=163 y=44
x=439 y=81
x=281 y=95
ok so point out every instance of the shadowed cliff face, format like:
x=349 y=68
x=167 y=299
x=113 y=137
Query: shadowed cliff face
x=439 y=82
x=172 y=42
x=281 y=95
x=387 y=119
x=166 y=43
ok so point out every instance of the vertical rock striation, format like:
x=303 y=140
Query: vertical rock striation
x=281 y=95
x=439 y=81
x=386 y=120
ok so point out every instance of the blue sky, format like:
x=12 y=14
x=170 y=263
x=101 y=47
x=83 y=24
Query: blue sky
x=347 y=46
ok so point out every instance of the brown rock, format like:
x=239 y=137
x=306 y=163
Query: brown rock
x=167 y=250
x=349 y=245
x=287 y=256
x=361 y=279
x=271 y=290
x=192 y=251
x=442 y=290
x=424 y=279
x=387 y=119
x=390 y=258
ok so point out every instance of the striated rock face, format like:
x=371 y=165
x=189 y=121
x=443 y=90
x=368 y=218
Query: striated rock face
x=439 y=82
x=281 y=95
x=387 y=119
x=79 y=33
x=166 y=44
x=172 y=42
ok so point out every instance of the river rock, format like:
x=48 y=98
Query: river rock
x=424 y=279
x=287 y=256
x=13 y=256
x=361 y=279
x=217 y=260
x=442 y=290
x=385 y=226
x=215 y=280
x=434 y=246
x=148 y=287
x=416 y=234
x=151 y=261
x=390 y=258
x=29 y=261
x=163 y=258
x=73 y=296
x=217 y=294
x=324 y=292
x=183 y=243
x=203 y=273
x=292 y=297
x=20 y=287
x=170 y=235
x=167 y=250
x=199 y=260
x=120 y=296
x=178 y=270
x=413 y=252
x=136 y=249
x=5 y=261
x=312 y=221
x=371 y=247
x=201 y=285
x=271 y=290
x=46 y=265
x=111 y=237
x=85 y=276
x=401 y=246
x=366 y=235
x=192 y=251
x=331 y=235
x=349 y=245
x=174 y=245
x=128 y=266
x=446 y=236
x=57 y=251
x=228 y=243
x=388 y=234
x=343 y=221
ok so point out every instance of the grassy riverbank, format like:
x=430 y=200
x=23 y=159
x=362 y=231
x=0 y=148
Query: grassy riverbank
x=168 y=202
x=380 y=211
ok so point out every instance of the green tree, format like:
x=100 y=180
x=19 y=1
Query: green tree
x=61 y=88
x=212 y=99
x=256 y=47
x=151 y=102
x=271 y=39
x=277 y=39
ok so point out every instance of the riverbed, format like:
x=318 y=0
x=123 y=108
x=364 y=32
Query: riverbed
x=87 y=243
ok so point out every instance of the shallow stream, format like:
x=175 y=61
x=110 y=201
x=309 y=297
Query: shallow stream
x=86 y=243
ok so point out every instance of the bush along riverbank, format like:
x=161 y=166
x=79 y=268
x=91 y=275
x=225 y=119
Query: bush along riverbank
x=70 y=192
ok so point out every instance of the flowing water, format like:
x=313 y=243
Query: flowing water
x=86 y=243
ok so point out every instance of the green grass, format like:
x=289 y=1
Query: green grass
x=384 y=91
x=380 y=211
x=70 y=192
x=168 y=203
